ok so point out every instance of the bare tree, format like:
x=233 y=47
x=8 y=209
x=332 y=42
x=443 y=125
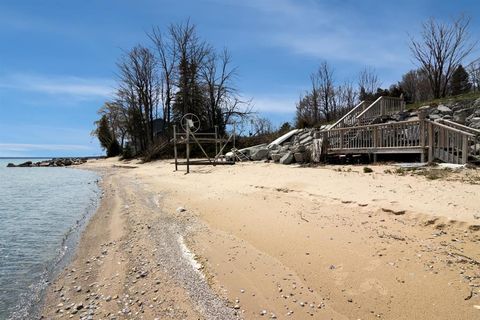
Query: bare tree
x=474 y=72
x=139 y=84
x=323 y=91
x=260 y=126
x=368 y=83
x=345 y=98
x=116 y=117
x=440 y=49
x=167 y=56
x=217 y=75
x=416 y=86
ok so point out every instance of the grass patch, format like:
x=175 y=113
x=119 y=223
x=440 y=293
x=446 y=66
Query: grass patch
x=435 y=102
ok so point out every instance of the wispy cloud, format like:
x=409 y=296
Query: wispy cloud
x=274 y=103
x=59 y=85
x=325 y=31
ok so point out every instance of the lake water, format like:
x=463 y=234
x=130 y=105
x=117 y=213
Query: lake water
x=42 y=211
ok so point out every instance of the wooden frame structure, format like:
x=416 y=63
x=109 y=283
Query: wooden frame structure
x=189 y=138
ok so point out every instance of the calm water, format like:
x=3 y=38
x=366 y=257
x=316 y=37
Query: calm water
x=41 y=213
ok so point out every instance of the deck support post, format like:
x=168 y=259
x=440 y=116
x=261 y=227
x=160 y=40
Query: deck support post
x=175 y=146
x=430 y=142
x=464 y=149
x=188 y=148
x=216 y=140
x=421 y=116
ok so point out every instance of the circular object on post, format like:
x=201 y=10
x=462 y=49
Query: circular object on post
x=190 y=121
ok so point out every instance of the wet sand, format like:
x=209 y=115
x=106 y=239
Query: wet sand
x=258 y=240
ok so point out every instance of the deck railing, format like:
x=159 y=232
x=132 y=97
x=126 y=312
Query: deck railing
x=381 y=107
x=449 y=143
x=371 y=138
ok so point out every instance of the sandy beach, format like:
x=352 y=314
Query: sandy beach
x=262 y=241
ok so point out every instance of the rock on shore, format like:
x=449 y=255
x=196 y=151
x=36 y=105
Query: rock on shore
x=55 y=162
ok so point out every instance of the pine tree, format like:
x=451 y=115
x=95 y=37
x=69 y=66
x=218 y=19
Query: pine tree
x=460 y=82
x=106 y=138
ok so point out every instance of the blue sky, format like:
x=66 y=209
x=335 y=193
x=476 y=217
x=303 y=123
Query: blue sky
x=57 y=58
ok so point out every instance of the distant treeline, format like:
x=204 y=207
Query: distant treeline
x=438 y=52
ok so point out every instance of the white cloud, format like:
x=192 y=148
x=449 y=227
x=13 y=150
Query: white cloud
x=59 y=85
x=274 y=103
x=321 y=31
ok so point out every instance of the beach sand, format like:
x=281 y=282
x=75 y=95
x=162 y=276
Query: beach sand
x=262 y=240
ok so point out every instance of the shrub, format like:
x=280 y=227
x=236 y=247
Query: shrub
x=367 y=170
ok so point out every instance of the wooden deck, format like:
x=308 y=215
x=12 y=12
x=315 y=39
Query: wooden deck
x=443 y=140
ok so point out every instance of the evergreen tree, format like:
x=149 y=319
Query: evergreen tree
x=460 y=81
x=106 y=138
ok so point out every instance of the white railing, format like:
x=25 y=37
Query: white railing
x=350 y=119
x=405 y=134
x=381 y=107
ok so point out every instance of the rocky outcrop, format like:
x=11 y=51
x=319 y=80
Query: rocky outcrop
x=55 y=162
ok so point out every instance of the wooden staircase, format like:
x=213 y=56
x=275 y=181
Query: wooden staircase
x=443 y=140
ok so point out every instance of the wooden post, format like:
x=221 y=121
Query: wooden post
x=234 y=133
x=430 y=142
x=324 y=146
x=421 y=132
x=341 y=139
x=464 y=149
x=216 y=141
x=188 y=148
x=175 y=146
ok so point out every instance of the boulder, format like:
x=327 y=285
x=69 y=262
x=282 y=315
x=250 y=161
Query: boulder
x=475 y=123
x=299 y=157
x=476 y=104
x=300 y=148
x=307 y=139
x=434 y=117
x=11 y=165
x=475 y=148
x=25 y=164
x=461 y=115
x=444 y=109
x=287 y=158
x=259 y=154
x=424 y=108
x=276 y=157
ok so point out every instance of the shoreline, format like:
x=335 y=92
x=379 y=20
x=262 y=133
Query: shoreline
x=273 y=241
x=63 y=257
x=117 y=252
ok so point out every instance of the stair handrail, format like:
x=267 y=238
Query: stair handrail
x=448 y=127
x=358 y=106
x=380 y=102
x=460 y=126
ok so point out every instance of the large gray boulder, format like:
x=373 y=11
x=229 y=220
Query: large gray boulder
x=444 y=109
x=259 y=154
x=276 y=157
x=434 y=117
x=461 y=115
x=287 y=158
x=299 y=157
x=475 y=123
